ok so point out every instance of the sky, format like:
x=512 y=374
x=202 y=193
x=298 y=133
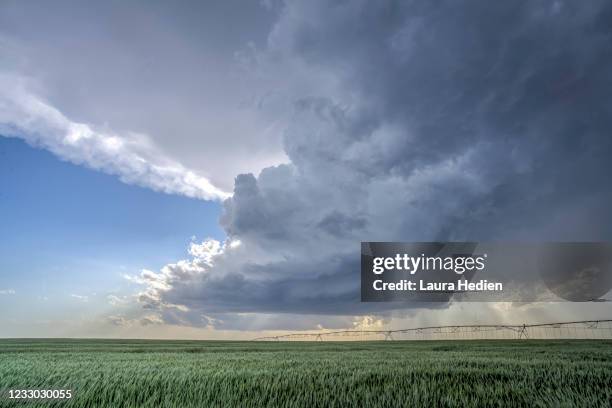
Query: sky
x=208 y=169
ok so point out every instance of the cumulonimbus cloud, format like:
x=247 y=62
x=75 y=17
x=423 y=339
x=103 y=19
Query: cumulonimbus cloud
x=130 y=156
x=455 y=121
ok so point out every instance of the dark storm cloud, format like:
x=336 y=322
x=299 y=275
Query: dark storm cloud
x=520 y=87
x=444 y=120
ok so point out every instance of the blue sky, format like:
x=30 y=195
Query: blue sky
x=70 y=230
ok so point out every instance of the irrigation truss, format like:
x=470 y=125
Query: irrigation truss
x=583 y=329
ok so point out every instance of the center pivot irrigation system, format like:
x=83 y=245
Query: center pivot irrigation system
x=583 y=329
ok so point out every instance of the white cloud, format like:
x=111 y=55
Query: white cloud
x=203 y=256
x=119 y=321
x=130 y=156
x=150 y=320
x=123 y=321
x=83 y=298
x=115 y=300
x=7 y=291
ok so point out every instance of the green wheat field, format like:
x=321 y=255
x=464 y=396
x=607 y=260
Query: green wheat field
x=139 y=373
